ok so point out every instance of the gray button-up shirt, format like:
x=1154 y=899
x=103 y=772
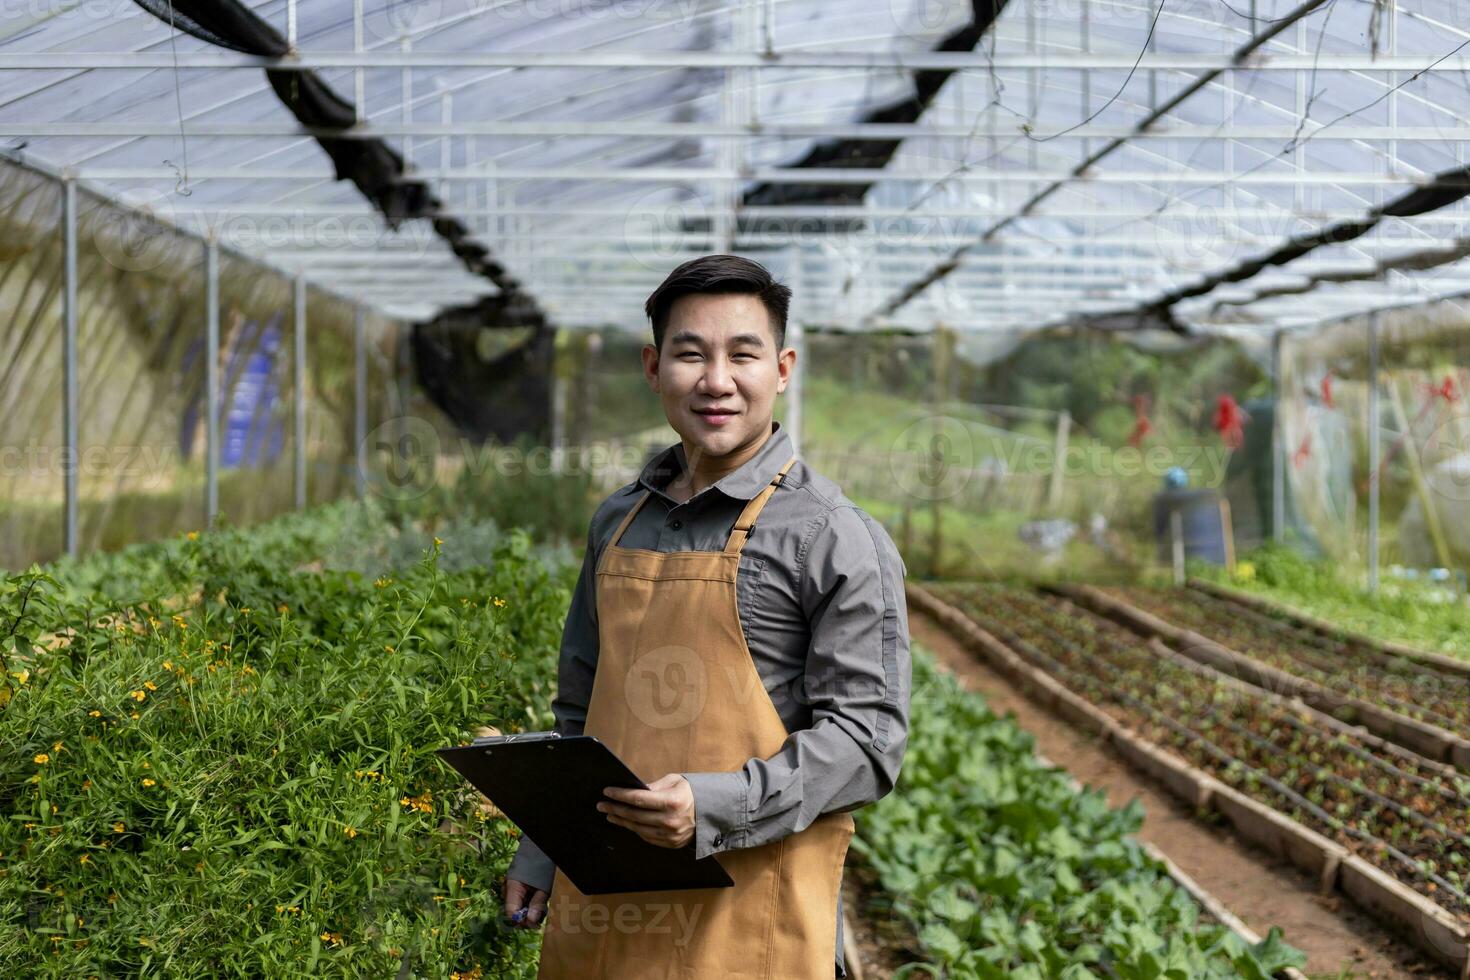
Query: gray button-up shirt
x=821 y=601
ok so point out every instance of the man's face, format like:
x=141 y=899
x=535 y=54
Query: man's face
x=719 y=371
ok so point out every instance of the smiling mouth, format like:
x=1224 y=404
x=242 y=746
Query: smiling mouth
x=714 y=411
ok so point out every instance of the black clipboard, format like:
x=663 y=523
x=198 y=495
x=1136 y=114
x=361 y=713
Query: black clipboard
x=549 y=785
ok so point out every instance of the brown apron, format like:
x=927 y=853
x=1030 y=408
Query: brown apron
x=676 y=690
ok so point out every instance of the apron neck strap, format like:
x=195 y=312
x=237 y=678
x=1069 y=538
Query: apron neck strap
x=618 y=534
x=746 y=523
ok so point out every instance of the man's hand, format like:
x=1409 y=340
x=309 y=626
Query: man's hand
x=525 y=906
x=663 y=814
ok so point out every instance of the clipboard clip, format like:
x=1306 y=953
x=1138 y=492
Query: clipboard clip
x=516 y=737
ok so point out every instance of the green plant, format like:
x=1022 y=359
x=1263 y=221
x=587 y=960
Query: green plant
x=247 y=787
x=1005 y=870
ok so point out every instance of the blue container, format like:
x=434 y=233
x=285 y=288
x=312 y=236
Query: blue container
x=1203 y=524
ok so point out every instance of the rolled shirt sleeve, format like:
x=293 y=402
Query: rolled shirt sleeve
x=576 y=668
x=857 y=681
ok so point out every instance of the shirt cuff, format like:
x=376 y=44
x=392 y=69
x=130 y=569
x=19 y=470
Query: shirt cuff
x=720 y=818
x=532 y=866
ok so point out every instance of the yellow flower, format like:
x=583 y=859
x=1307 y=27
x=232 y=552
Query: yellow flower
x=387 y=647
x=499 y=601
x=95 y=714
x=148 y=782
x=351 y=832
x=438 y=542
x=134 y=715
x=168 y=665
x=382 y=583
x=138 y=695
x=23 y=676
x=86 y=784
x=150 y=685
x=335 y=938
x=85 y=859
x=118 y=827
x=283 y=609
x=1244 y=571
x=192 y=535
x=245 y=611
x=42 y=758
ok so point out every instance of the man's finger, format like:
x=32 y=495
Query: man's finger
x=654 y=835
x=648 y=799
x=536 y=908
x=634 y=814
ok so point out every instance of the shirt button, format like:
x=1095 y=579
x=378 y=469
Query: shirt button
x=719 y=840
x=676 y=524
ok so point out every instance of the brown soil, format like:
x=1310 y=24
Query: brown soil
x=1259 y=889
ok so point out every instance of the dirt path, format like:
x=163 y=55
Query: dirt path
x=1259 y=889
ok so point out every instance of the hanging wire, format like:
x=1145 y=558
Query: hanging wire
x=181 y=184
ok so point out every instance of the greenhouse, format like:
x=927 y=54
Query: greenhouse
x=990 y=479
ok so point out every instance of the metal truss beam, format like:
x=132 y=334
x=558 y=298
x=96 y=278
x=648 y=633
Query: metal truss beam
x=884 y=61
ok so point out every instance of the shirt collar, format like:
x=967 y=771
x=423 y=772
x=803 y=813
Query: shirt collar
x=753 y=476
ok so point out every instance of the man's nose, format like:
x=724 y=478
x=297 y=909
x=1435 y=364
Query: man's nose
x=717 y=376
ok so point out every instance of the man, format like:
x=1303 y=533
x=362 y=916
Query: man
x=738 y=635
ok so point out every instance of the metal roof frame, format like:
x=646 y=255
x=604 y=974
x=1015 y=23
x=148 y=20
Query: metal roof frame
x=580 y=147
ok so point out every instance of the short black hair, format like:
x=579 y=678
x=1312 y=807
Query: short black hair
x=718 y=274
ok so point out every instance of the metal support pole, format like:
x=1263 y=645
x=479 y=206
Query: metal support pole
x=1278 y=469
x=359 y=418
x=1374 y=451
x=69 y=367
x=796 y=339
x=211 y=380
x=298 y=393
x=359 y=85
x=561 y=350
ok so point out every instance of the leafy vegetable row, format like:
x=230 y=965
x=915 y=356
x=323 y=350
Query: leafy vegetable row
x=1005 y=870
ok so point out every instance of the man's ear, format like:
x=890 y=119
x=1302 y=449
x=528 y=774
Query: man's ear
x=650 y=366
x=784 y=366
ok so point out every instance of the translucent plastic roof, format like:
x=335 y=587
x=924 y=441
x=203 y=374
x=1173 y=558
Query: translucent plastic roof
x=591 y=146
